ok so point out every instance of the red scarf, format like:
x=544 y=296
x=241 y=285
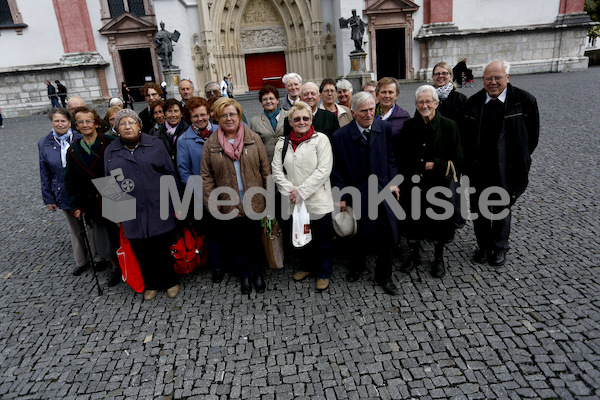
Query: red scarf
x=295 y=140
x=205 y=133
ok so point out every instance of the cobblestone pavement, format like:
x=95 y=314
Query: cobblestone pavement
x=529 y=329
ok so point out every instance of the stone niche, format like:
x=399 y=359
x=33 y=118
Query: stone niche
x=262 y=29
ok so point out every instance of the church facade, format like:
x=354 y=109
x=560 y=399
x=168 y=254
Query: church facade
x=92 y=46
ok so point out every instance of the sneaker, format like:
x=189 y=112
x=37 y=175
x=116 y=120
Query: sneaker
x=150 y=294
x=173 y=291
x=301 y=275
x=322 y=284
x=115 y=277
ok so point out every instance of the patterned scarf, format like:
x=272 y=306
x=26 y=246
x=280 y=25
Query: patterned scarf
x=205 y=133
x=272 y=117
x=65 y=142
x=233 y=151
x=444 y=91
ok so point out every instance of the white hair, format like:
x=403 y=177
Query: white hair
x=505 y=65
x=359 y=99
x=344 y=84
x=291 y=75
x=426 y=88
x=307 y=84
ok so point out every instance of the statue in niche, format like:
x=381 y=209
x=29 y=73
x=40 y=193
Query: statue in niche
x=357 y=26
x=163 y=40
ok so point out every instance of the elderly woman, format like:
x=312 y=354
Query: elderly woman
x=388 y=90
x=424 y=148
x=158 y=117
x=452 y=102
x=344 y=92
x=143 y=160
x=308 y=162
x=173 y=128
x=234 y=161
x=270 y=123
x=85 y=161
x=328 y=97
x=111 y=113
x=53 y=158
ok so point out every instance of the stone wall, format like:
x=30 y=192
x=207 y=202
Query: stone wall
x=528 y=49
x=24 y=92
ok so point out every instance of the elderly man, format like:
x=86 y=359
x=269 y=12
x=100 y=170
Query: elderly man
x=361 y=149
x=186 y=90
x=344 y=92
x=502 y=128
x=292 y=82
x=211 y=89
x=73 y=103
x=324 y=121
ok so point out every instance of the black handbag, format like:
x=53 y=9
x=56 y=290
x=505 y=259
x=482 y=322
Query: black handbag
x=453 y=184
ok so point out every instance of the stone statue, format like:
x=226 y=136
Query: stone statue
x=163 y=40
x=357 y=26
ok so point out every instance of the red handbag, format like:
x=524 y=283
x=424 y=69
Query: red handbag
x=130 y=267
x=189 y=252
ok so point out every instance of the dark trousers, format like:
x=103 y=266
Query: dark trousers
x=358 y=248
x=156 y=262
x=210 y=228
x=317 y=256
x=242 y=240
x=491 y=235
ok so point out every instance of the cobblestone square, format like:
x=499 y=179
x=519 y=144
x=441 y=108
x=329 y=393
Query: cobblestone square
x=529 y=329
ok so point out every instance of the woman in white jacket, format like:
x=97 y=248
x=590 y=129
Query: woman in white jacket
x=303 y=175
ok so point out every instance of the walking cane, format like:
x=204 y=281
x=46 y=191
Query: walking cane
x=86 y=241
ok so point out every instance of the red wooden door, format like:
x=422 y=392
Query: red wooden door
x=265 y=69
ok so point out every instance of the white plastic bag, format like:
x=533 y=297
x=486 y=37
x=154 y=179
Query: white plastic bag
x=301 y=234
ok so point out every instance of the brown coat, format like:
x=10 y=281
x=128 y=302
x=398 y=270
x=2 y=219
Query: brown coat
x=217 y=170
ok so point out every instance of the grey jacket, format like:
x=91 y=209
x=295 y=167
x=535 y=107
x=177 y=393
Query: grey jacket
x=261 y=125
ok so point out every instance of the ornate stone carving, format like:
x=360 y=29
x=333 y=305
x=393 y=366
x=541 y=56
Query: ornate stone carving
x=263 y=38
x=260 y=12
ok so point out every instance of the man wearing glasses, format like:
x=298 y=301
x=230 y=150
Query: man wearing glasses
x=151 y=92
x=502 y=128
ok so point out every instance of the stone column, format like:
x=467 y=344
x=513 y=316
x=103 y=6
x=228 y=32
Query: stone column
x=358 y=70
x=171 y=77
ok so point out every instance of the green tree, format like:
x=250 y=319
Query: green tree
x=593 y=10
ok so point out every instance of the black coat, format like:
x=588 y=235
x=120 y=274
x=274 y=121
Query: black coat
x=324 y=121
x=453 y=107
x=519 y=137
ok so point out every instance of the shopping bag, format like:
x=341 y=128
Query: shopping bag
x=130 y=268
x=301 y=234
x=189 y=251
x=453 y=184
x=272 y=240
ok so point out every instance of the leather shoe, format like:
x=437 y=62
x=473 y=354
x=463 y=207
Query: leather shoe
x=322 y=284
x=79 y=270
x=150 y=294
x=438 y=269
x=409 y=265
x=245 y=285
x=353 y=275
x=101 y=265
x=218 y=275
x=481 y=256
x=259 y=284
x=389 y=287
x=498 y=258
x=115 y=277
x=301 y=275
x=173 y=291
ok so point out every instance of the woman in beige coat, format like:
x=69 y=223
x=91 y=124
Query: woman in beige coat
x=269 y=124
x=308 y=162
x=234 y=161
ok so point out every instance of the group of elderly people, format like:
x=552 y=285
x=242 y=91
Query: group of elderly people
x=314 y=139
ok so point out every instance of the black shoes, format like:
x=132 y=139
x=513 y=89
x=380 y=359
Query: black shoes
x=245 y=285
x=102 y=265
x=79 y=270
x=115 y=277
x=353 y=275
x=409 y=265
x=218 y=275
x=481 y=256
x=438 y=269
x=389 y=287
x=498 y=258
x=259 y=284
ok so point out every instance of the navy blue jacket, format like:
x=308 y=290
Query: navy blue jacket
x=350 y=169
x=148 y=162
x=52 y=174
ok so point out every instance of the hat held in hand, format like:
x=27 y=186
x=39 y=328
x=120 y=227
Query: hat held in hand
x=344 y=223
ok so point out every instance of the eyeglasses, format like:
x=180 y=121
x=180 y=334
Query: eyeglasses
x=445 y=73
x=305 y=119
x=230 y=115
x=196 y=116
x=421 y=103
x=213 y=92
x=269 y=99
x=127 y=123
x=495 y=78
x=86 y=122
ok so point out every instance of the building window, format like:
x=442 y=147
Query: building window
x=10 y=17
x=118 y=7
